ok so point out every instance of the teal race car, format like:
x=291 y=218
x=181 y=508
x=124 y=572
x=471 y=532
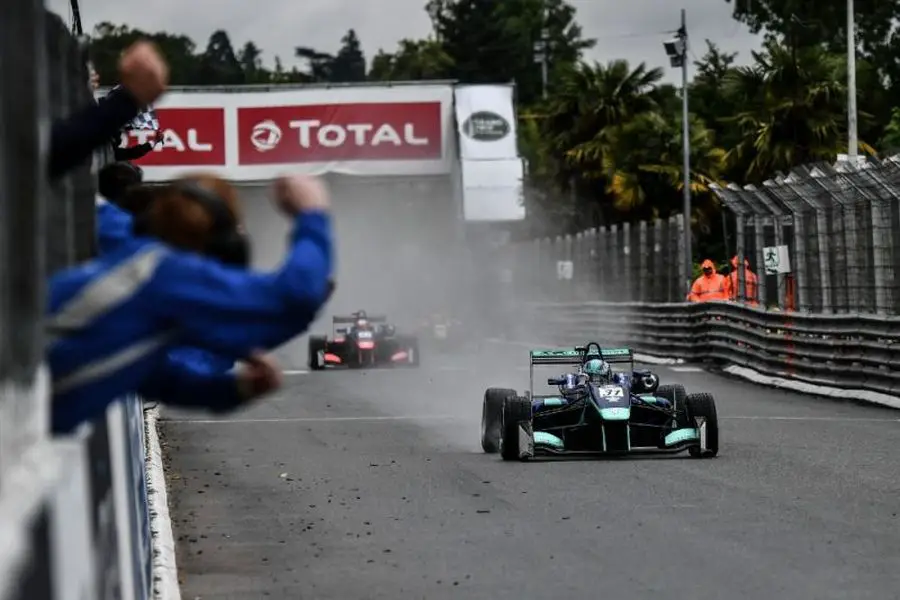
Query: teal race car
x=597 y=410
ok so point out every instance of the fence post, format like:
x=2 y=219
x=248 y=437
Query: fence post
x=628 y=287
x=742 y=213
x=811 y=192
x=677 y=293
x=843 y=230
x=759 y=234
x=593 y=267
x=603 y=264
x=875 y=188
x=644 y=259
x=659 y=284
x=781 y=216
x=799 y=211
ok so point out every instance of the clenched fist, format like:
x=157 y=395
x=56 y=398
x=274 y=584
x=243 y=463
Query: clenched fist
x=259 y=376
x=144 y=72
x=298 y=193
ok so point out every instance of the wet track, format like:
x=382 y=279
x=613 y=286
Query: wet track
x=372 y=484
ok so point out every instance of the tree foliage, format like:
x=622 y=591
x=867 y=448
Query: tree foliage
x=605 y=145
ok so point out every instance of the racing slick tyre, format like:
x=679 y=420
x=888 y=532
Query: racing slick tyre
x=316 y=348
x=516 y=411
x=704 y=406
x=676 y=394
x=492 y=418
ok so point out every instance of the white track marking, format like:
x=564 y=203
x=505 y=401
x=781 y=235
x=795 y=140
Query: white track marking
x=295 y=372
x=686 y=369
x=313 y=420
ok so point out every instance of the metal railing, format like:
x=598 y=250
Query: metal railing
x=860 y=352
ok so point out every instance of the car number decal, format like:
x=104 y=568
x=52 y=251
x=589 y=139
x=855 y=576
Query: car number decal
x=611 y=393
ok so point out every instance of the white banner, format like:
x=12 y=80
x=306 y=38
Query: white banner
x=493 y=190
x=486 y=122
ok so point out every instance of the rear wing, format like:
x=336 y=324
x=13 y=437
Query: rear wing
x=556 y=357
x=575 y=356
x=355 y=318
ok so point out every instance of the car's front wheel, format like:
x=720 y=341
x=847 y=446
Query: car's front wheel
x=317 y=344
x=492 y=418
x=516 y=416
x=703 y=407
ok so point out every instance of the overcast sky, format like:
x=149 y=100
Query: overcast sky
x=632 y=29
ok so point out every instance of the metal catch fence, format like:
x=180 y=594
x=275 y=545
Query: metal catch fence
x=837 y=229
x=619 y=263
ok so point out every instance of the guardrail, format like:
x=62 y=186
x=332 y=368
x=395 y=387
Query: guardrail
x=860 y=352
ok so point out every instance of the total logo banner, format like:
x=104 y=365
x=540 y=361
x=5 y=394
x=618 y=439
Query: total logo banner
x=258 y=135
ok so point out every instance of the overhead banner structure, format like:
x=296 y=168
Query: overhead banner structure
x=492 y=171
x=486 y=122
x=242 y=135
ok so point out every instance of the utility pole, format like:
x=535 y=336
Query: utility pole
x=677 y=49
x=852 y=132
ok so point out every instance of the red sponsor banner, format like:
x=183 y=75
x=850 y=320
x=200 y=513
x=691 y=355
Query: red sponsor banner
x=191 y=137
x=339 y=133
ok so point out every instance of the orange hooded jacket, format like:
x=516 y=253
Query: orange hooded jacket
x=751 y=283
x=709 y=286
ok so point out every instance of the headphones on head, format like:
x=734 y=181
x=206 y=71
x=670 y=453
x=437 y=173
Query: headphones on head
x=225 y=243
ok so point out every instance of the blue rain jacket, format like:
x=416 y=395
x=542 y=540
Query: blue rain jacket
x=113 y=321
x=115 y=228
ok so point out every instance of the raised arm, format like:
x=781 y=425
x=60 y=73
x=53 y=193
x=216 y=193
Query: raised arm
x=233 y=311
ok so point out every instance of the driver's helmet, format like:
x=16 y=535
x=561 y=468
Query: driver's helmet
x=598 y=371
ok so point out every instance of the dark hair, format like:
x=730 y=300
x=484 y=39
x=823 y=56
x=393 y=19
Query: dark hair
x=114 y=180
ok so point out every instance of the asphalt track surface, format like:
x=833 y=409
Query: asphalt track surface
x=372 y=484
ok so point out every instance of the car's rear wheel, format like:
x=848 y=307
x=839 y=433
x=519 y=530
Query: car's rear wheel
x=516 y=414
x=492 y=418
x=703 y=406
x=317 y=344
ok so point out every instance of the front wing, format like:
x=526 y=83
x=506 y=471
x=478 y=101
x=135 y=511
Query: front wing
x=543 y=443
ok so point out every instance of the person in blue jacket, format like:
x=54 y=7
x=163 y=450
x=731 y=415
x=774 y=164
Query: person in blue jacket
x=112 y=320
x=185 y=370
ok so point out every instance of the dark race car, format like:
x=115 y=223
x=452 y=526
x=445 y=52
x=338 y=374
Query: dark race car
x=597 y=410
x=366 y=341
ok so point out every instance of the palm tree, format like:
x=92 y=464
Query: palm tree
x=795 y=101
x=587 y=106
